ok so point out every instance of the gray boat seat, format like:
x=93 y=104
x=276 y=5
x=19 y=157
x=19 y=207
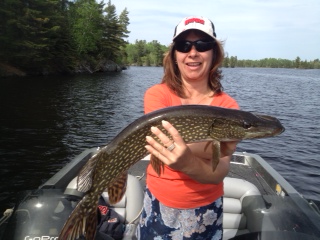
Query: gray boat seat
x=235 y=219
x=130 y=206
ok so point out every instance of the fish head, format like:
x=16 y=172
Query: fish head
x=261 y=125
x=245 y=125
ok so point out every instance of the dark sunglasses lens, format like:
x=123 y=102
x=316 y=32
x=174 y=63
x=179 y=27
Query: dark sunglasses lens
x=202 y=46
x=183 y=46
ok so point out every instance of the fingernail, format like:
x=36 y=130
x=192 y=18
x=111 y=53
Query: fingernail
x=164 y=122
x=153 y=129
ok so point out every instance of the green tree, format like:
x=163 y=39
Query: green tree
x=226 y=61
x=233 y=61
x=114 y=32
x=132 y=54
x=86 y=26
x=141 y=51
x=63 y=51
x=9 y=31
x=32 y=31
x=297 y=62
x=124 y=23
x=155 y=53
x=316 y=64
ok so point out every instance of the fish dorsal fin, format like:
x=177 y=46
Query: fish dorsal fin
x=84 y=179
x=157 y=164
x=117 y=188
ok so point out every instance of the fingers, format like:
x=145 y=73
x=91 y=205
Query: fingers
x=154 y=147
x=161 y=136
x=167 y=144
x=171 y=149
x=228 y=148
x=158 y=150
x=175 y=136
x=172 y=131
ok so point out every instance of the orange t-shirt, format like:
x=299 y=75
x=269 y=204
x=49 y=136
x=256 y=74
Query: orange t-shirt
x=173 y=188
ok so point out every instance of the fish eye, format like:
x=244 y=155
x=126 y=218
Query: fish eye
x=246 y=125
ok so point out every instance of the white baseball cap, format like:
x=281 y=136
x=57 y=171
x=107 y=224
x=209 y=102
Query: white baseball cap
x=198 y=23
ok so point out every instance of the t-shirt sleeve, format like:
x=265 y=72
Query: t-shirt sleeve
x=155 y=98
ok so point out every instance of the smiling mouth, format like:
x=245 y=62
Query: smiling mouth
x=194 y=64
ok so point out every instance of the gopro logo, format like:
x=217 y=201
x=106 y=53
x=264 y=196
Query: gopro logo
x=41 y=238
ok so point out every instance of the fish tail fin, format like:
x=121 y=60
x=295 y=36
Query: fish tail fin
x=157 y=165
x=81 y=222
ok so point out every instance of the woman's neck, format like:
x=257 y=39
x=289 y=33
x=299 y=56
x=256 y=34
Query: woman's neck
x=197 y=93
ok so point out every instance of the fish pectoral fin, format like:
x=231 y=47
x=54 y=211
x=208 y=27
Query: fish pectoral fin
x=81 y=223
x=84 y=179
x=157 y=164
x=215 y=154
x=117 y=188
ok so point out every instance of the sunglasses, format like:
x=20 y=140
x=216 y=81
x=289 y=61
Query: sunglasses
x=200 y=45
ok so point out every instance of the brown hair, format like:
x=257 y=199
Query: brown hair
x=172 y=75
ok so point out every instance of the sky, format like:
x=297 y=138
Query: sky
x=250 y=29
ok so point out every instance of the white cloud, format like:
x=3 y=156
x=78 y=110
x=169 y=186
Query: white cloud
x=253 y=29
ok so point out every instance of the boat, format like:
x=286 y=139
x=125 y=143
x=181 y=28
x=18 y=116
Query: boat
x=258 y=203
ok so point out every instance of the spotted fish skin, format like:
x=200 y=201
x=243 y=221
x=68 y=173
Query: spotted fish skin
x=107 y=168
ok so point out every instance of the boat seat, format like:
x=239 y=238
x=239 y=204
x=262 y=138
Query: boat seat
x=130 y=206
x=240 y=199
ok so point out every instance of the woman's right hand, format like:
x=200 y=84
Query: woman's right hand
x=180 y=158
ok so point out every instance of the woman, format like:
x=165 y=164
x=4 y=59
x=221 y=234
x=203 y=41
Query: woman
x=185 y=201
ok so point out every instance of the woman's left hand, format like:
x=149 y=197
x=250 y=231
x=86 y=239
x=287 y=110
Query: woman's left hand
x=227 y=148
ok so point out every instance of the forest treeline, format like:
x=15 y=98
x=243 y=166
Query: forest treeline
x=61 y=36
x=74 y=36
x=271 y=63
x=142 y=53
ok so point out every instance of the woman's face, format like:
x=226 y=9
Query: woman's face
x=194 y=65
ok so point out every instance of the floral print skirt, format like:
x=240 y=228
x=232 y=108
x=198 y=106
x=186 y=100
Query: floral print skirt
x=160 y=222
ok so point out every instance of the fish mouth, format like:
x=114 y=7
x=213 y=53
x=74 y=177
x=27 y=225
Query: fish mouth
x=273 y=124
x=278 y=131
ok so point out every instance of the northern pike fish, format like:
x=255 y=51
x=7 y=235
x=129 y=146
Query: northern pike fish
x=108 y=168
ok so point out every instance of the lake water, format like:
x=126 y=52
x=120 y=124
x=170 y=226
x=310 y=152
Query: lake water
x=46 y=121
